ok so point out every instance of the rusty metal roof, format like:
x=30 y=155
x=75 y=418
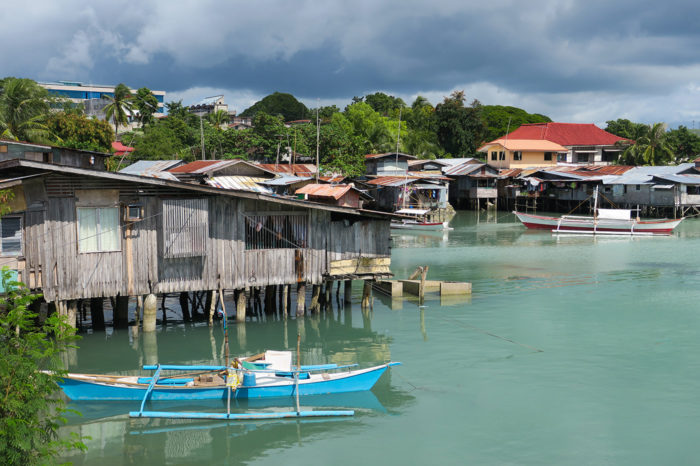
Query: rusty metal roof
x=199 y=166
x=325 y=190
x=153 y=168
x=298 y=169
x=239 y=183
x=388 y=154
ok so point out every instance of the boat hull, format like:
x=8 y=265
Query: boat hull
x=77 y=387
x=589 y=225
x=420 y=226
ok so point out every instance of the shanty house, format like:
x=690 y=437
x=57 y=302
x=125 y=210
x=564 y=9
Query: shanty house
x=345 y=195
x=387 y=164
x=75 y=234
x=226 y=174
x=49 y=154
x=473 y=181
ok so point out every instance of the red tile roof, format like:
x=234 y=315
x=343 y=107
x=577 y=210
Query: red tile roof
x=121 y=149
x=566 y=134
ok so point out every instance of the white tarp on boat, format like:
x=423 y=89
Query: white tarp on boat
x=412 y=211
x=614 y=214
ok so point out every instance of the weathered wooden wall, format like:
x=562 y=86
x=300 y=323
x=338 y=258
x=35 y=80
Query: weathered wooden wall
x=140 y=266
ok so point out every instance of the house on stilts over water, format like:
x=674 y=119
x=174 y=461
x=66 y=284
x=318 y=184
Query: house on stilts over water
x=76 y=234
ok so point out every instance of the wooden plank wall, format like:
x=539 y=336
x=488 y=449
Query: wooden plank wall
x=51 y=250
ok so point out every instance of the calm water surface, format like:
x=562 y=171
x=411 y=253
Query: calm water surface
x=571 y=350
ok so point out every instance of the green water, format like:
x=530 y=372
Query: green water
x=571 y=350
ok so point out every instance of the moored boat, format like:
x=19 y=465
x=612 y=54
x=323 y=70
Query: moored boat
x=417 y=221
x=606 y=222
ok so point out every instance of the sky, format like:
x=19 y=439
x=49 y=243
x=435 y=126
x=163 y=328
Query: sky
x=575 y=61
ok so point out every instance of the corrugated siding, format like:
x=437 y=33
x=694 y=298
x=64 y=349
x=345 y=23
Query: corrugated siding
x=185 y=227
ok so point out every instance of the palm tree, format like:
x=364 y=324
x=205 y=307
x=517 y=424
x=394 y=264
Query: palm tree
x=24 y=108
x=119 y=107
x=650 y=147
x=218 y=119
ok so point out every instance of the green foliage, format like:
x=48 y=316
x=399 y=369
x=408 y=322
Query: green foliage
x=30 y=368
x=650 y=147
x=501 y=120
x=76 y=131
x=218 y=119
x=146 y=103
x=155 y=142
x=176 y=109
x=383 y=103
x=626 y=129
x=24 y=107
x=279 y=103
x=460 y=129
x=119 y=107
x=684 y=143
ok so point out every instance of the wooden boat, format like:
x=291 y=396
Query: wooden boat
x=607 y=222
x=272 y=377
x=418 y=221
x=603 y=222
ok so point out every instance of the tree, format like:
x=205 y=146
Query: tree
x=279 y=103
x=218 y=119
x=460 y=129
x=649 y=148
x=626 y=129
x=24 y=107
x=146 y=103
x=370 y=127
x=120 y=106
x=176 y=109
x=684 y=143
x=30 y=369
x=76 y=131
x=383 y=103
x=501 y=120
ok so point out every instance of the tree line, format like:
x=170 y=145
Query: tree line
x=374 y=123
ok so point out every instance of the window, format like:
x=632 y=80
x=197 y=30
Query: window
x=185 y=227
x=693 y=190
x=638 y=187
x=501 y=155
x=582 y=158
x=275 y=231
x=561 y=158
x=493 y=155
x=11 y=243
x=98 y=229
x=547 y=156
x=517 y=155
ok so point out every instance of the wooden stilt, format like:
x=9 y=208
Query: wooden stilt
x=347 y=291
x=240 y=305
x=328 y=291
x=139 y=310
x=211 y=305
x=315 y=294
x=97 y=313
x=121 y=313
x=150 y=308
x=301 y=299
x=285 y=297
x=72 y=312
x=366 y=294
x=185 y=306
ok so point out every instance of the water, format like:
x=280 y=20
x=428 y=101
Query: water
x=571 y=350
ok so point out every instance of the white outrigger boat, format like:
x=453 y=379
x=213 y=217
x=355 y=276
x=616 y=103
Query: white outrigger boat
x=603 y=222
x=418 y=221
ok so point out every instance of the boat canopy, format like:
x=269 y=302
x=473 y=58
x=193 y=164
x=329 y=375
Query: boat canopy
x=614 y=214
x=412 y=211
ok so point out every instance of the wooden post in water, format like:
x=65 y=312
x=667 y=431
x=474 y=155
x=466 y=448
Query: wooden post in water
x=72 y=312
x=329 y=290
x=366 y=293
x=139 y=310
x=97 y=313
x=240 y=305
x=285 y=297
x=347 y=291
x=121 y=313
x=270 y=301
x=150 y=307
x=315 y=294
x=301 y=299
x=211 y=300
x=423 y=273
x=185 y=306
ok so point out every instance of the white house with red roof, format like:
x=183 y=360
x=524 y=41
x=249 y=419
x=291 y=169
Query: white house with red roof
x=585 y=142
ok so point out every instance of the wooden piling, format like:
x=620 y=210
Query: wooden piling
x=185 y=306
x=301 y=299
x=211 y=305
x=97 y=313
x=328 y=291
x=121 y=312
x=240 y=305
x=423 y=273
x=315 y=295
x=347 y=291
x=139 y=310
x=72 y=312
x=366 y=294
x=285 y=298
x=150 y=307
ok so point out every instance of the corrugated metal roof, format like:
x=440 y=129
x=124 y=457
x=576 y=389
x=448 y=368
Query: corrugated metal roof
x=643 y=175
x=681 y=179
x=199 y=166
x=299 y=169
x=458 y=161
x=284 y=180
x=462 y=169
x=239 y=183
x=392 y=181
x=325 y=190
x=392 y=154
x=153 y=168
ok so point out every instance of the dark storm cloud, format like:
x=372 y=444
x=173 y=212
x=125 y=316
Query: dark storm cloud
x=525 y=50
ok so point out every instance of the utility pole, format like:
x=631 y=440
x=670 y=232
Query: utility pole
x=201 y=133
x=318 y=136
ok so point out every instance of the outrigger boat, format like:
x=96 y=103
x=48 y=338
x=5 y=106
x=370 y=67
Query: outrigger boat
x=603 y=222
